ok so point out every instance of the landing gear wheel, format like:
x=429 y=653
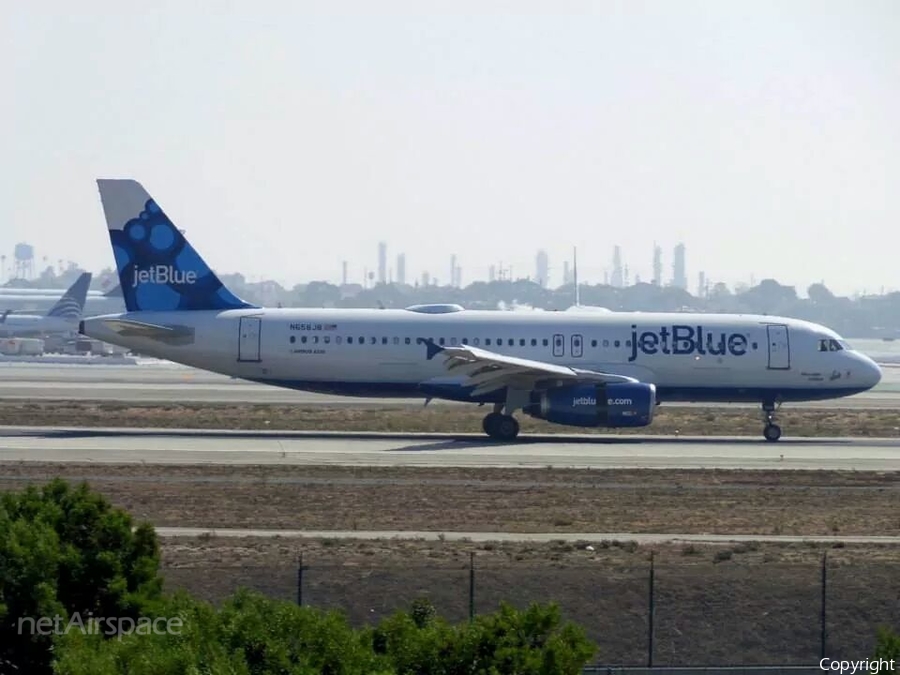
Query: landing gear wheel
x=772 y=432
x=490 y=423
x=500 y=427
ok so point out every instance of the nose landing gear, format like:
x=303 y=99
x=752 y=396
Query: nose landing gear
x=771 y=431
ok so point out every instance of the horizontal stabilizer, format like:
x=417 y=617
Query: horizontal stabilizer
x=174 y=335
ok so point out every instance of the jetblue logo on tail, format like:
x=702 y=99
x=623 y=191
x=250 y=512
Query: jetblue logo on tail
x=685 y=340
x=163 y=274
x=158 y=269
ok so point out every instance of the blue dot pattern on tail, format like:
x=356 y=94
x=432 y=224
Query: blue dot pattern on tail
x=160 y=271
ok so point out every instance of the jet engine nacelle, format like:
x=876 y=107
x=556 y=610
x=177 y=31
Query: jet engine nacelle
x=596 y=405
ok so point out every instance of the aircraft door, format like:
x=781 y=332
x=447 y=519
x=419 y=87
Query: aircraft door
x=779 y=347
x=577 y=346
x=249 y=338
x=559 y=345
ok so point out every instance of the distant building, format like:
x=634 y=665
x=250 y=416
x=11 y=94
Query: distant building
x=701 y=285
x=401 y=268
x=617 y=279
x=541 y=269
x=492 y=273
x=567 y=274
x=657 y=265
x=455 y=273
x=382 y=262
x=679 y=273
x=344 y=273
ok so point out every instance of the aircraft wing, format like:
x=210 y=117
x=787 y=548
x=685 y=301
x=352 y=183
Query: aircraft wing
x=488 y=371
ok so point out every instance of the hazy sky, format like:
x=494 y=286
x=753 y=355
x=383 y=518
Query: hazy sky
x=288 y=136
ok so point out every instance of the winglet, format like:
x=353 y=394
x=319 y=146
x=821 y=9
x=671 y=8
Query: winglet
x=71 y=304
x=158 y=269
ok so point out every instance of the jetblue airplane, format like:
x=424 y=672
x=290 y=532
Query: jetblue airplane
x=578 y=368
x=63 y=317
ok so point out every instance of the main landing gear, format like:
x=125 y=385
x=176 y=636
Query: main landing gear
x=500 y=427
x=771 y=432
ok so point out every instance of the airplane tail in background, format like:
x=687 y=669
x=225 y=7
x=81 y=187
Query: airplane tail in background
x=71 y=304
x=158 y=269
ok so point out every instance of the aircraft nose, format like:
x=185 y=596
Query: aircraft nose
x=871 y=372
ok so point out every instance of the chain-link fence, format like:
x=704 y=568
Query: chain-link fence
x=701 y=612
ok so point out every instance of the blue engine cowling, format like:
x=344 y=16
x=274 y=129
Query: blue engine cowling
x=596 y=405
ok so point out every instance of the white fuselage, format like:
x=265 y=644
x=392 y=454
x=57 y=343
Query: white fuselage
x=25 y=325
x=698 y=357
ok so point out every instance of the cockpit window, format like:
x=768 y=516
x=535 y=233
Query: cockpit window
x=832 y=345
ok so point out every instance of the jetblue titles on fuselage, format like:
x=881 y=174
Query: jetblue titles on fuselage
x=681 y=339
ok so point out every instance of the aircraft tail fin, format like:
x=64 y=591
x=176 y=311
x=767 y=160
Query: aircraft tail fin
x=158 y=268
x=71 y=304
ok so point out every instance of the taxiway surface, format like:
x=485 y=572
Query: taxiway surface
x=162 y=381
x=152 y=446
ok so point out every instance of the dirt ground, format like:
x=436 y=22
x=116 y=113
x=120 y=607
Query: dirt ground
x=437 y=418
x=491 y=500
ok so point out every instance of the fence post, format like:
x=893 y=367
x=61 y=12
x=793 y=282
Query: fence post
x=650 y=614
x=300 y=579
x=471 y=586
x=824 y=606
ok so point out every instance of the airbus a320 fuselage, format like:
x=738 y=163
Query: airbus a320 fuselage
x=578 y=368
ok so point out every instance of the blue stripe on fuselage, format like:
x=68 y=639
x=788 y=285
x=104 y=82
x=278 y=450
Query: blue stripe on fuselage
x=454 y=392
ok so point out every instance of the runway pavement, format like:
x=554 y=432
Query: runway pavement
x=543 y=537
x=151 y=446
x=162 y=381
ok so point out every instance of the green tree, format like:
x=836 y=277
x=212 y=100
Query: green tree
x=888 y=645
x=250 y=635
x=530 y=642
x=253 y=635
x=65 y=550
